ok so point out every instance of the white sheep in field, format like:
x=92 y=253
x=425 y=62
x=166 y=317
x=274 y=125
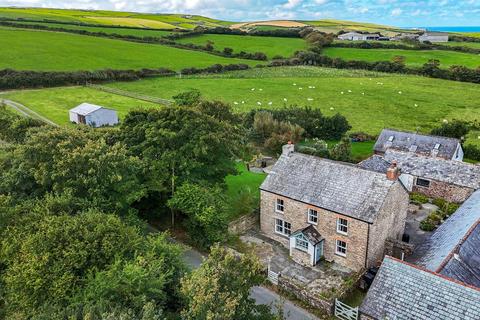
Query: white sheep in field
x=342 y=92
x=285 y=99
x=270 y=103
x=253 y=89
x=294 y=84
x=310 y=99
x=332 y=108
x=260 y=89
x=235 y=102
x=259 y=103
x=399 y=92
x=350 y=91
x=416 y=105
x=243 y=102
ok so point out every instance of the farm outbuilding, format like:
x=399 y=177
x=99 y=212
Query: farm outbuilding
x=93 y=115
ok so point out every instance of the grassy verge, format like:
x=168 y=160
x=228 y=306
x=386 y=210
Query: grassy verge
x=55 y=51
x=413 y=58
x=243 y=192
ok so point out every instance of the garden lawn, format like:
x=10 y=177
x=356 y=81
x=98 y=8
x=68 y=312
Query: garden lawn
x=414 y=58
x=243 y=191
x=475 y=45
x=56 y=51
x=271 y=46
x=55 y=103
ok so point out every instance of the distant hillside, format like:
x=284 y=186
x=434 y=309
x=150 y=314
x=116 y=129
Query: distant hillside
x=183 y=21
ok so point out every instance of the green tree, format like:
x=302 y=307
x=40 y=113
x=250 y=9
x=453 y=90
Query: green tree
x=205 y=210
x=342 y=151
x=220 y=288
x=14 y=128
x=453 y=129
x=188 y=98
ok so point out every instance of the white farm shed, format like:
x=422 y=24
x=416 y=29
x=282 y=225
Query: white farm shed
x=93 y=115
x=434 y=37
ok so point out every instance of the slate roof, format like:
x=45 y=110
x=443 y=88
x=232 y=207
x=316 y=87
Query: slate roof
x=375 y=163
x=425 y=144
x=458 y=234
x=450 y=171
x=331 y=185
x=404 y=292
x=85 y=109
x=311 y=234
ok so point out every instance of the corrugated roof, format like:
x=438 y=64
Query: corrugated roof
x=451 y=236
x=449 y=171
x=423 y=144
x=335 y=186
x=85 y=109
x=403 y=292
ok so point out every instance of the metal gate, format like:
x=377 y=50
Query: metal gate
x=272 y=276
x=344 y=311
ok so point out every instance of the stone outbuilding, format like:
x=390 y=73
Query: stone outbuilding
x=453 y=181
x=404 y=291
x=93 y=115
x=420 y=144
x=323 y=209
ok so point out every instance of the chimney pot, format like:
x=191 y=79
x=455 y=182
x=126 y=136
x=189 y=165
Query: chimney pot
x=288 y=149
x=393 y=172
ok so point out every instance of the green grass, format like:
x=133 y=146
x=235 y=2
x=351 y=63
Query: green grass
x=360 y=150
x=245 y=181
x=56 y=51
x=271 y=46
x=54 y=103
x=475 y=45
x=423 y=103
x=120 y=31
x=161 y=21
x=414 y=58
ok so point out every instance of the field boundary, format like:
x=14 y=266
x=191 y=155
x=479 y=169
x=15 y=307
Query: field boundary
x=130 y=94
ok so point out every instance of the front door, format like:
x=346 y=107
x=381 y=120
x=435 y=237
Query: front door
x=81 y=119
x=318 y=251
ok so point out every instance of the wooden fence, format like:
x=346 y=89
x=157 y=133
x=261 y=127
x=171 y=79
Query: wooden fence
x=130 y=94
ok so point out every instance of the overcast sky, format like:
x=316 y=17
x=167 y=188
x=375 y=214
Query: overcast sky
x=392 y=12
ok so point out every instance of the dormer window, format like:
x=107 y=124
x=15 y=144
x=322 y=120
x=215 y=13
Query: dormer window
x=437 y=146
x=413 y=148
x=390 y=139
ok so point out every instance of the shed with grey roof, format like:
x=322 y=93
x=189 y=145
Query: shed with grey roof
x=402 y=291
x=93 y=115
x=434 y=37
x=357 y=36
x=426 y=145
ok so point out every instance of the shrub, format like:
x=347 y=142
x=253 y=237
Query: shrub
x=418 y=199
x=472 y=152
x=188 y=98
x=453 y=129
x=361 y=137
x=427 y=225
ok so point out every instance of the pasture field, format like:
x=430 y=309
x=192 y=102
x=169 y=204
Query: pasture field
x=414 y=58
x=56 y=51
x=370 y=101
x=54 y=103
x=161 y=21
x=271 y=46
x=108 y=30
x=475 y=45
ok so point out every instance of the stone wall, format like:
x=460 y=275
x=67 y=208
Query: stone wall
x=244 y=223
x=300 y=257
x=392 y=244
x=390 y=223
x=449 y=192
x=296 y=213
x=300 y=292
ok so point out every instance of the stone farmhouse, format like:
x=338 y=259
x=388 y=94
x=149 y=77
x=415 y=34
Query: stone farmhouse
x=356 y=36
x=93 y=115
x=323 y=209
x=425 y=145
x=451 y=180
x=442 y=278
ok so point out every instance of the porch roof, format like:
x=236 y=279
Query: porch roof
x=312 y=235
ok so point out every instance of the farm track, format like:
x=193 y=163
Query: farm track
x=27 y=112
x=130 y=94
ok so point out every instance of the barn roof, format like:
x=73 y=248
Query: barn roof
x=416 y=143
x=86 y=108
x=331 y=185
x=375 y=163
x=449 y=171
x=402 y=291
x=460 y=235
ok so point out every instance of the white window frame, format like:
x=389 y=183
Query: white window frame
x=300 y=239
x=421 y=186
x=341 y=225
x=310 y=214
x=280 y=203
x=283 y=227
x=338 y=244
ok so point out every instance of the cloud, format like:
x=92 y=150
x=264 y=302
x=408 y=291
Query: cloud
x=396 y=12
x=292 y=4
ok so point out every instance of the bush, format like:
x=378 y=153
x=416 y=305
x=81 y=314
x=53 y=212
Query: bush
x=361 y=137
x=427 y=225
x=472 y=152
x=418 y=199
x=453 y=129
x=188 y=98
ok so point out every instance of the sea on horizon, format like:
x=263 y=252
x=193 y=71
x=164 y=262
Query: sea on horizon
x=451 y=29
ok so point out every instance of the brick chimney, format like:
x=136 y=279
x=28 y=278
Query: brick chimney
x=393 y=172
x=288 y=149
